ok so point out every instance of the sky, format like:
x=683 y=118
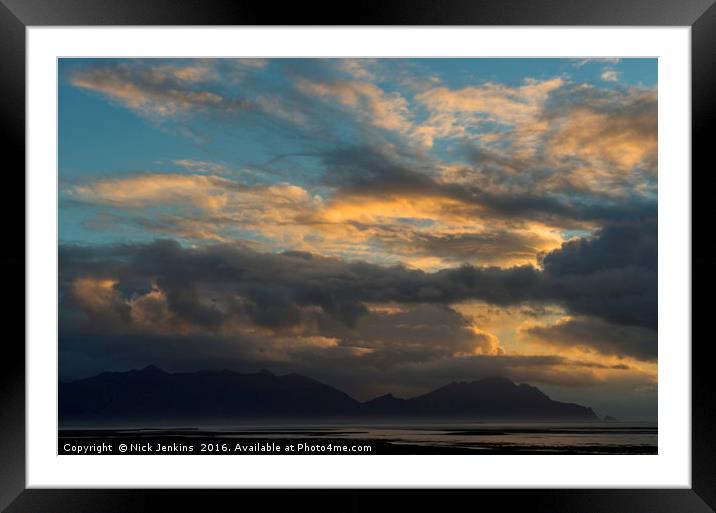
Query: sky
x=382 y=225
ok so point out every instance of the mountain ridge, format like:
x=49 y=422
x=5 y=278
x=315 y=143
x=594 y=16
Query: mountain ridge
x=152 y=393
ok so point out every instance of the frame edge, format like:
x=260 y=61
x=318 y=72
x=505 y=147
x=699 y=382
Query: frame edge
x=703 y=109
x=12 y=364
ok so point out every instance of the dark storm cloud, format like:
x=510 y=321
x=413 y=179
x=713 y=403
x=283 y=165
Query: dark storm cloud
x=413 y=333
x=229 y=275
x=611 y=276
x=603 y=337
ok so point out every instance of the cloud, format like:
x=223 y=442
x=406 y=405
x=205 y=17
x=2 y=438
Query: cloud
x=456 y=113
x=270 y=322
x=611 y=276
x=199 y=206
x=373 y=206
x=411 y=333
x=608 y=60
x=377 y=209
x=384 y=110
x=593 y=334
x=99 y=300
x=199 y=166
x=361 y=69
x=496 y=101
x=158 y=91
x=368 y=328
x=503 y=247
x=605 y=129
x=609 y=75
x=276 y=284
x=555 y=135
x=142 y=190
x=595 y=148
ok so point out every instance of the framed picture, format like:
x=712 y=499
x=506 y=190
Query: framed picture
x=426 y=245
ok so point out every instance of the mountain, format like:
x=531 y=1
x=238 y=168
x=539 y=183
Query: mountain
x=153 y=394
x=496 y=397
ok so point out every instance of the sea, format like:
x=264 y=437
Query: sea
x=434 y=437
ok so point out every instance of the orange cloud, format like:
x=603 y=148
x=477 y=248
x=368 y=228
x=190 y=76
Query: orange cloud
x=617 y=140
x=384 y=110
x=454 y=113
x=95 y=294
x=424 y=230
x=156 y=91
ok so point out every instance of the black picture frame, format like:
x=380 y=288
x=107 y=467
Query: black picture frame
x=17 y=15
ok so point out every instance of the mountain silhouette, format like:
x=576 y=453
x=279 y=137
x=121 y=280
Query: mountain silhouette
x=153 y=394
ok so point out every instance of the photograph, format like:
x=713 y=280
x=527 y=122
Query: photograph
x=412 y=251
x=357 y=256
